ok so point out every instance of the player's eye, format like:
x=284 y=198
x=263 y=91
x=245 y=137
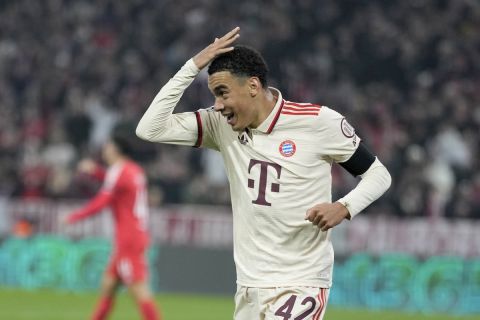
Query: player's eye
x=221 y=93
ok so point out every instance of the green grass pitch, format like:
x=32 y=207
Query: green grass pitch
x=55 y=305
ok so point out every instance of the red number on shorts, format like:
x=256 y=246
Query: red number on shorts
x=309 y=310
x=285 y=310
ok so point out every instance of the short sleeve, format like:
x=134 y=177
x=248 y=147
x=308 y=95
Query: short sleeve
x=337 y=137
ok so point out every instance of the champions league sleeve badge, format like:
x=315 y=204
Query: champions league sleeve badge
x=347 y=130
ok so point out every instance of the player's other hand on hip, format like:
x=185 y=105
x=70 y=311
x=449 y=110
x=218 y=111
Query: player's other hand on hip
x=217 y=47
x=326 y=215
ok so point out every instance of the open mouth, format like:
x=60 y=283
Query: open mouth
x=229 y=117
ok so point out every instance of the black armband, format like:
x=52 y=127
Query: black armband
x=359 y=162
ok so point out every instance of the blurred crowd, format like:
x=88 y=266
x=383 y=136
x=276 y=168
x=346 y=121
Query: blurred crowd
x=406 y=74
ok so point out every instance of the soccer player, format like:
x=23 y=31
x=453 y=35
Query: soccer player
x=278 y=156
x=124 y=190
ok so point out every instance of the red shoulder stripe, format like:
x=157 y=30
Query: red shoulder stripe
x=301 y=113
x=300 y=109
x=302 y=105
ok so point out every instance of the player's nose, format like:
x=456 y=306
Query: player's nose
x=218 y=106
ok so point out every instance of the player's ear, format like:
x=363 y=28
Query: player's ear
x=254 y=86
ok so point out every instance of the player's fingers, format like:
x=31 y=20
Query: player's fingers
x=227 y=39
x=231 y=33
x=323 y=223
x=227 y=42
x=222 y=46
x=318 y=220
x=220 y=51
x=325 y=226
x=310 y=214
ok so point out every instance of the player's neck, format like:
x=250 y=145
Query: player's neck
x=267 y=104
x=118 y=160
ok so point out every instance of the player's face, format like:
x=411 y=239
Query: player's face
x=233 y=99
x=109 y=153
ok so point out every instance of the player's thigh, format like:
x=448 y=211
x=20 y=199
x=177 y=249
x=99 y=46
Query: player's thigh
x=110 y=283
x=131 y=267
x=299 y=303
x=140 y=291
x=246 y=304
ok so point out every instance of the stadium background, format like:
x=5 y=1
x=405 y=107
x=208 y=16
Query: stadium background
x=406 y=74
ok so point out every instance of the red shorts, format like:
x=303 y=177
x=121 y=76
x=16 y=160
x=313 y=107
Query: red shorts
x=130 y=266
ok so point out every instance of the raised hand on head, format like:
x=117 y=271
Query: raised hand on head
x=217 y=47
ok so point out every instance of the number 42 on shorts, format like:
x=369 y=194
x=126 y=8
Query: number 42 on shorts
x=308 y=307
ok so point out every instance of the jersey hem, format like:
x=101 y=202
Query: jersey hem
x=316 y=283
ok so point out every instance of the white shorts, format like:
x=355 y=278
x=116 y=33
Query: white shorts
x=282 y=303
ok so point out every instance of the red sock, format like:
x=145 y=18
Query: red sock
x=149 y=311
x=103 y=308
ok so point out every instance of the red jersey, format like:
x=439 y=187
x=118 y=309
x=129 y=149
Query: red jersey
x=124 y=190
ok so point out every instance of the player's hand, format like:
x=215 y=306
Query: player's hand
x=217 y=47
x=327 y=215
x=63 y=220
x=87 y=166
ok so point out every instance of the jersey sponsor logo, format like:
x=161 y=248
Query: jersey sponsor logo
x=263 y=180
x=347 y=130
x=287 y=148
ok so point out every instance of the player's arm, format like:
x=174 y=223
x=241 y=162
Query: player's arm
x=346 y=148
x=159 y=124
x=92 y=169
x=103 y=198
x=375 y=180
x=94 y=206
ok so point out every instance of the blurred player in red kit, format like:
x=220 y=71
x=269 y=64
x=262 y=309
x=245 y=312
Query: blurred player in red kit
x=124 y=191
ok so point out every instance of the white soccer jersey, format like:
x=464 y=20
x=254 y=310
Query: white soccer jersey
x=276 y=173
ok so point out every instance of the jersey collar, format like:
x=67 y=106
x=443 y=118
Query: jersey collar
x=267 y=125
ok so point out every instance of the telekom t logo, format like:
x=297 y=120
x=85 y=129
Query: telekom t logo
x=262 y=187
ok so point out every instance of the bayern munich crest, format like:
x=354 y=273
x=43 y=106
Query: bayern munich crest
x=287 y=148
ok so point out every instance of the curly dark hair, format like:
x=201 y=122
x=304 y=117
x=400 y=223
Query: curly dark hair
x=123 y=144
x=124 y=139
x=241 y=61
